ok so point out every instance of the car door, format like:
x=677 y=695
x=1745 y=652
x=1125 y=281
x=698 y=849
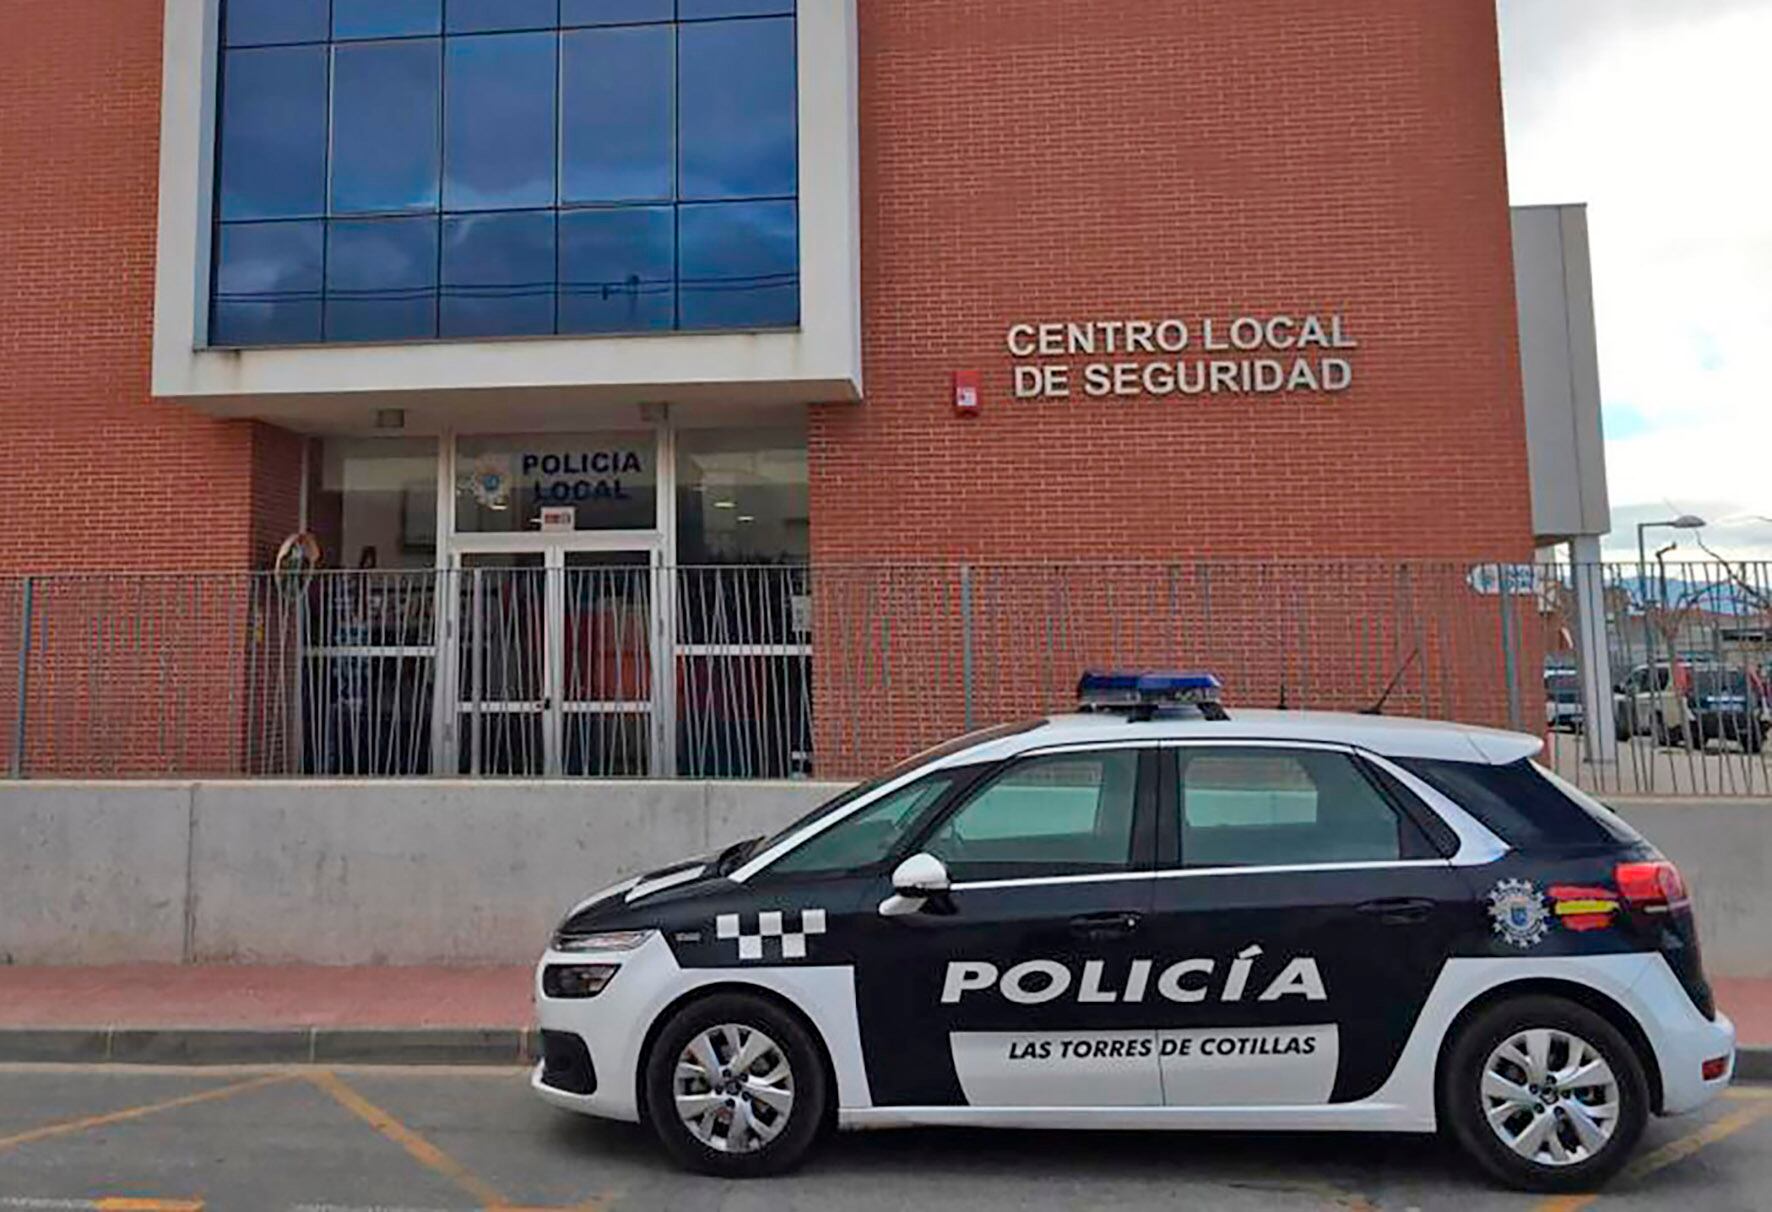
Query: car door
x=1005 y=991
x=1308 y=912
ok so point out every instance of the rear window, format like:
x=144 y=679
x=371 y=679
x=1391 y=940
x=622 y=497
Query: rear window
x=1524 y=804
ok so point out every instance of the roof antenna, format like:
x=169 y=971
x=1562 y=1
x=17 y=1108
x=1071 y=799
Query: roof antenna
x=1378 y=707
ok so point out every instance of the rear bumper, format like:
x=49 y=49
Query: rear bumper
x=1683 y=1039
x=1727 y=725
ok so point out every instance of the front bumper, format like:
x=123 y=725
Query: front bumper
x=611 y=1027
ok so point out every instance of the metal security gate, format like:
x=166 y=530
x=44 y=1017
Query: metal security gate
x=558 y=650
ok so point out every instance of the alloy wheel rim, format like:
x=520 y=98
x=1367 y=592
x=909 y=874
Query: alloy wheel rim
x=734 y=1088
x=1550 y=1097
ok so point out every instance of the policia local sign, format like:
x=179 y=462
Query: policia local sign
x=1241 y=356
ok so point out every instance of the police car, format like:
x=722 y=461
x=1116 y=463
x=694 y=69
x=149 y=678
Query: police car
x=1156 y=913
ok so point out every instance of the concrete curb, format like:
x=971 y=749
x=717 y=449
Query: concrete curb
x=275 y=1046
x=357 y=1046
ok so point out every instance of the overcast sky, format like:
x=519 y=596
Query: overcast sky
x=1658 y=115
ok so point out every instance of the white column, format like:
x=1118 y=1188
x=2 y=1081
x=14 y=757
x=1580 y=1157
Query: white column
x=1593 y=652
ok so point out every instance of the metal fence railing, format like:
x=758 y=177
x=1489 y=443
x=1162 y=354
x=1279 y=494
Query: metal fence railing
x=597 y=666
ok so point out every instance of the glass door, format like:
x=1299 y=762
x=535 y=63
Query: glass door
x=607 y=707
x=554 y=668
x=504 y=685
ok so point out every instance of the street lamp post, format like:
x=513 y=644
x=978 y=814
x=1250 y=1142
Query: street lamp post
x=1685 y=521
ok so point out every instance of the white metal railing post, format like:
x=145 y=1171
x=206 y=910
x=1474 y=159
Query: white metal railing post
x=27 y=604
x=1593 y=653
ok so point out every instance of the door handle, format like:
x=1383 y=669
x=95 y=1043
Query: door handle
x=1400 y=910
x=1104 y=925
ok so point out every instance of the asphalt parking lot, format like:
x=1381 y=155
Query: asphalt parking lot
x=411 y=1140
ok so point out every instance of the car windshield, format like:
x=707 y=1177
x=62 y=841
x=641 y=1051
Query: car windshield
x=1563 y=687
x=979 y=737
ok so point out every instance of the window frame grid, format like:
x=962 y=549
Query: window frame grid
x=327 y=218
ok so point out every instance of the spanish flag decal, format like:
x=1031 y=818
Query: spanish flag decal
x=1583 y=908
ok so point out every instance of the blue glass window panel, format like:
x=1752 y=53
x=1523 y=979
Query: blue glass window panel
x=260 y=22
x=614 y=12
x=384 y=126
x=740 y=265
x=267 y=284
x=618 y=86
x=617 y=269
x=381 y=279
x=499 y=145
x=273 y=133
x=479 y=16
x=737 y=121
x=498 y=274
x=697 y=10
x=386 y=18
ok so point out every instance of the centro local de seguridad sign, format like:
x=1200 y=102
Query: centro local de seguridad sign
x=1241 y=356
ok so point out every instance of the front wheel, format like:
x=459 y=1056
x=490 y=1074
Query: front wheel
x=736 y=1087
x=1546 y=1095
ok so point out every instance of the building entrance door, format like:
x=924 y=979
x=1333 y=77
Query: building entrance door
x=558 y=660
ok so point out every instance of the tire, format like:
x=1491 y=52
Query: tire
x=1666 y=737
x=783 y=1124
x=1593 y=1146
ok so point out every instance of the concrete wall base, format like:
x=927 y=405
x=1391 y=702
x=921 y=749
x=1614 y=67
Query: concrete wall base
x=341 y=872
x=480 y=872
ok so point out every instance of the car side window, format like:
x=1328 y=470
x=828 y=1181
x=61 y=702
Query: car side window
x=1058 y=814
x=868 y=836
x=1255 y=807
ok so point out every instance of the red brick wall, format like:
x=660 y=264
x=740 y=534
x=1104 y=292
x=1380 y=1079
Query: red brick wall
x=1081 y=160
x=97 y=474
x=142 y=674
x=1047 y=160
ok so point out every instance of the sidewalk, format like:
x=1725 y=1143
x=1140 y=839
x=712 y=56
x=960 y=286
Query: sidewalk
x=218 y=1014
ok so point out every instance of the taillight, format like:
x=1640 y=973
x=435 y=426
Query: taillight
x=1655 y=887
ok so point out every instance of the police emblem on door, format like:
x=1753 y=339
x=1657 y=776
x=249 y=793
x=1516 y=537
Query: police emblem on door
x=1518 y=914
x=784 y=932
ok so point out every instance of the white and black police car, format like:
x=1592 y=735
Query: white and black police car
x=1156 y=914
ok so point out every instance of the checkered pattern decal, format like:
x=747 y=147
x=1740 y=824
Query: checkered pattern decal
x=770 y=924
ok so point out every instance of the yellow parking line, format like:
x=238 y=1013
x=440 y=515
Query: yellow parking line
x=420 y=1149
x=1668 y=1154
x=1748 y=1093
x=71 y=1127
x=124 y=1204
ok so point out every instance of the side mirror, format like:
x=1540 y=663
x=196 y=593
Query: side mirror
x=917 y=880
x=920 y=875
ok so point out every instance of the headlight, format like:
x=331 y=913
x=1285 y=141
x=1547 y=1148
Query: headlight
x=576 y=980
x=614 y=940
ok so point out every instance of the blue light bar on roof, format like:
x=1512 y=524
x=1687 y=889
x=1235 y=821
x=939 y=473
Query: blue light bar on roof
x=1145 y=688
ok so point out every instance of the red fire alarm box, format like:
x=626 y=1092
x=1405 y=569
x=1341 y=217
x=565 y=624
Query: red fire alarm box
x=966 y=392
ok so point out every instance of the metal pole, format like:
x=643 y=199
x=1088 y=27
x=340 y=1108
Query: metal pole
x=1509 y=657
x=26 y=606
x=966 y=638
x=1643 y=597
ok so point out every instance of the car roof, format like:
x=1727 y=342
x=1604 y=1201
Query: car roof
x=1388 y=736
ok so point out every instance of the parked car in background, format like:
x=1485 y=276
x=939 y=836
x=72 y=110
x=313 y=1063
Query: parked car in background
x=1688 y=704
x=1563 y=709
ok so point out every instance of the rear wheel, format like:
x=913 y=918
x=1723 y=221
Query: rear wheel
x=1669 y=736
x=1546 y=1095
x=736 y=1087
